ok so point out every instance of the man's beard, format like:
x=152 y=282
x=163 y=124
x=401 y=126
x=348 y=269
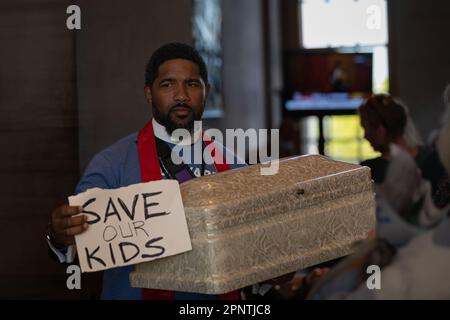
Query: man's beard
x=170 y=124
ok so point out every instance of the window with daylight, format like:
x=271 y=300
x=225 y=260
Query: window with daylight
x=207 y=39
x=347 y=26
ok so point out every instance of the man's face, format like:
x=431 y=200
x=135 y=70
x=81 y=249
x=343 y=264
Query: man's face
x=177 y=95
x=375 y=135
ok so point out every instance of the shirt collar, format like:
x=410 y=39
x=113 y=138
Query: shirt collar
x=161 y=133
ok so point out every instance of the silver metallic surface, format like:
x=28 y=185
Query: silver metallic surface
x=246 y=228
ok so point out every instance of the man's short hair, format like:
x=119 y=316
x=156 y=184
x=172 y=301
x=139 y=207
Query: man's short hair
x=173 y=51
x=384 y=110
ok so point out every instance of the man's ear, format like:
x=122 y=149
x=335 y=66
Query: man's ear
x=148 y=94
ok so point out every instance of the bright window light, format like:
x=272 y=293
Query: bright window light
x=337 y=23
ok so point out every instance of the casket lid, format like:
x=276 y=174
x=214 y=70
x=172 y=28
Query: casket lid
x=225 y=187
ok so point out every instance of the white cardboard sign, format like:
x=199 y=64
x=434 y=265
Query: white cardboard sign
x=129 y=225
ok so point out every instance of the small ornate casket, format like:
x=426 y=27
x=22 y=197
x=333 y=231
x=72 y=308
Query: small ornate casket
x=246 y=227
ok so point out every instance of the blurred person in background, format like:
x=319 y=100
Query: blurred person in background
x=408 y=175
x=418 y=268
x=445 y=117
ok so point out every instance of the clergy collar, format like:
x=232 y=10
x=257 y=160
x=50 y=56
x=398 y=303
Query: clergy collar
x=161 y=133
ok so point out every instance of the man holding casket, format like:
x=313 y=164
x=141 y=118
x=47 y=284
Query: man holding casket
x=176 y=87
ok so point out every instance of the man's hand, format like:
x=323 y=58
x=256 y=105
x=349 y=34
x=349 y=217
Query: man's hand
x=64 y=226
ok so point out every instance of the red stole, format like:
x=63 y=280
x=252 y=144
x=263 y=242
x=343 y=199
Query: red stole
x=150 y=171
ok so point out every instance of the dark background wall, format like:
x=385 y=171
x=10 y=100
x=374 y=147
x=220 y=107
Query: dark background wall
x=38 y=142
x=420 y=57
x=112 y=49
